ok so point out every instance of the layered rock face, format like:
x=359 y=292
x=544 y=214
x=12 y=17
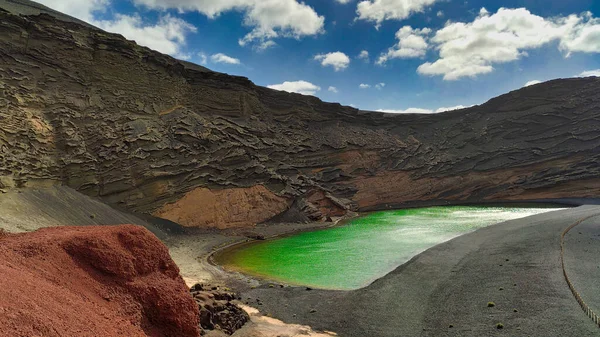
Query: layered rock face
x=92 y=281
x=141 y=130
x=232 y=207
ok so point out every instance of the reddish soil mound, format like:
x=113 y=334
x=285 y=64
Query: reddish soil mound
x=92 y=281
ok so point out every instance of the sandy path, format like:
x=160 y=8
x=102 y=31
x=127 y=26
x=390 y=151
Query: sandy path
x=515 y=264
x=582 y=261
x=264 y=326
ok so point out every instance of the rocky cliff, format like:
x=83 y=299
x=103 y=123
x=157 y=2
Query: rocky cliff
x=141 y=130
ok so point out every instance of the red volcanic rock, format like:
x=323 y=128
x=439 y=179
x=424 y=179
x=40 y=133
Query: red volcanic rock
x=92 y=281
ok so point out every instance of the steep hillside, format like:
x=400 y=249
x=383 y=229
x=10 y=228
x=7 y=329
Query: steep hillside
x=141 y=130
x=26 y=210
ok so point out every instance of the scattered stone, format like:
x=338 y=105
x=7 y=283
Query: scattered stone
x=491 y=304
x=254 y=236
x=312 y=311
x=217 y=311
x=499 y=326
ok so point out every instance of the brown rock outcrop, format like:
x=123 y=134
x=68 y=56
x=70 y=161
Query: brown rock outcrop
x=141 y=130
x=92 y=281
x=232 y=207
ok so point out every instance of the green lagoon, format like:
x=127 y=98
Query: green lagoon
x=364 y=249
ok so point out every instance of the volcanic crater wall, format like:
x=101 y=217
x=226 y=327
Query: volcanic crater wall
x=93 y=111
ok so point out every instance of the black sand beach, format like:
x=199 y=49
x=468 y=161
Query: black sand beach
x=445 y=291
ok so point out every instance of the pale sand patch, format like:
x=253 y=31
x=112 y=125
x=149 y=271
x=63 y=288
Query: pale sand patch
x=189 y=253
x=263 y=326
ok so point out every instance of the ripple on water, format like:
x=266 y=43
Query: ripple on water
x=364 y=249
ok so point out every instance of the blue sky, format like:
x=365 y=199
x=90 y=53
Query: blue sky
x=444 y=53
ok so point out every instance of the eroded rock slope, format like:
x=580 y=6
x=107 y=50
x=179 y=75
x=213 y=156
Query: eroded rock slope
x=93 y=111
x=92 y=281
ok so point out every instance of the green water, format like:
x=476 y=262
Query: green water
x=366 y=248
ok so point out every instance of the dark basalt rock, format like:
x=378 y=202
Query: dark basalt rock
x=217 y=310
x=93 y=111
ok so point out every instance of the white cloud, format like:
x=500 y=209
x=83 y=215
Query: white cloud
x=265 y=45
x=580 y=34
x=203 y=58
x=458 y=107
x=411 y=43
x=222 y=58
x=424 y=111
x=440 y=14
x=534 y=82
x=268 y=19
x=167 y=35
x=364 y=55
x=184 y=56
x=83 y=10
x=343 y=2
x=408 y=111
x=338 y=60
x=333 y=90
x=300 y=87
x=589 y=73
x=380 y=10
x=377 y=86
x=471 y=49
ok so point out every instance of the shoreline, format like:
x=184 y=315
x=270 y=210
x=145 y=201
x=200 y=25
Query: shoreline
x=204 y=244
x=513 y=264
x=256 y=279
x=571 y=202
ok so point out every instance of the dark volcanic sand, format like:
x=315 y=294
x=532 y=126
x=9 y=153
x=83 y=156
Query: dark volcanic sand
x=582 y=261
x=451 y=284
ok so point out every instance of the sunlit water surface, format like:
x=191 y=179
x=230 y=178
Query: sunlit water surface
x=364 y=249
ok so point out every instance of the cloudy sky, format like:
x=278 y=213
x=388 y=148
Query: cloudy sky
x=393 y=55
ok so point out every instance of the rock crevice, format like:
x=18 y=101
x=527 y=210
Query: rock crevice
x=141 y=130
